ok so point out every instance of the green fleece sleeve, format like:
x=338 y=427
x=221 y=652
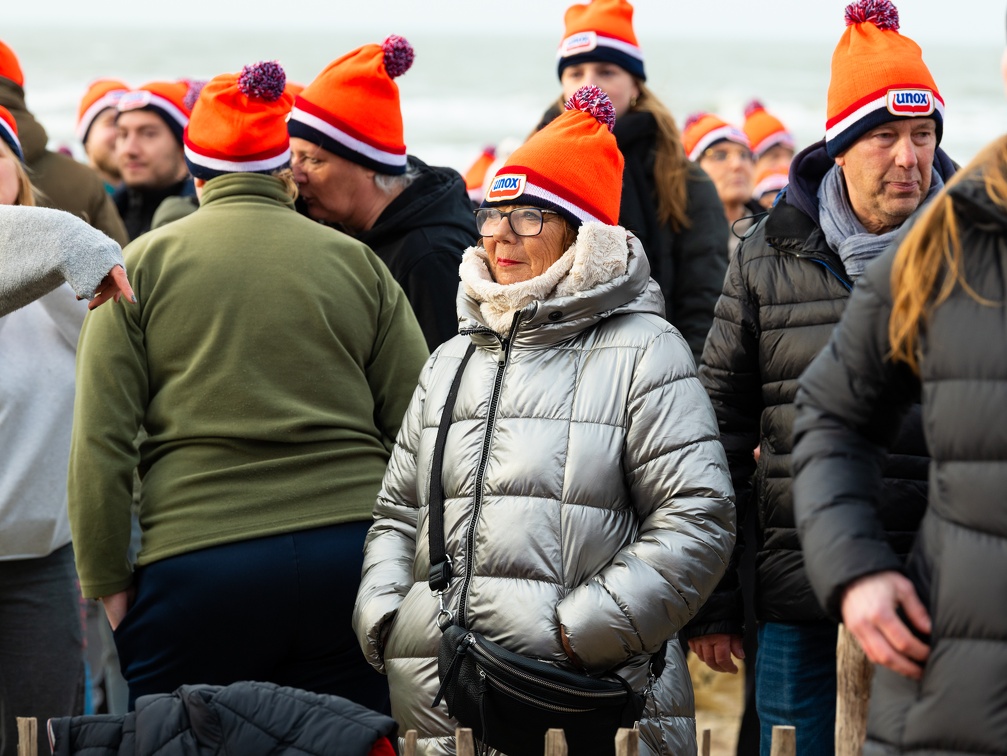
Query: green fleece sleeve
x=109 y=405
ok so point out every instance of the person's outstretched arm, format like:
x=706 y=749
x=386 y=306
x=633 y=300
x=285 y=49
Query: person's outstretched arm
x=41 y=248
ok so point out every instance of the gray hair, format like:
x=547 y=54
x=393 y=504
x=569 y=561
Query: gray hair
x=395 y=184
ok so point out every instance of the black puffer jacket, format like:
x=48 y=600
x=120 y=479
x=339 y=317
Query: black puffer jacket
x=689 y=265
x=420 y=236
x=849 y=408
x=784 y=293
x=247 y=718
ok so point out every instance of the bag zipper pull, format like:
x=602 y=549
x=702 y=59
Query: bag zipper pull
x=463 y=646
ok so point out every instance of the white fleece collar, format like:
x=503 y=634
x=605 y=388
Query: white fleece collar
x=598 y=255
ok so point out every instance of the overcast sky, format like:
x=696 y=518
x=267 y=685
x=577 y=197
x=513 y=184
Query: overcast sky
x=923 y=20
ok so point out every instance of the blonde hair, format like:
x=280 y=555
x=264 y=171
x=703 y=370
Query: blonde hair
x=928 y=262
x=25 y=193
x=286 y=175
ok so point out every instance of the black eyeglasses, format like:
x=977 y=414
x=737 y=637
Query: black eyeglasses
x=524 y=221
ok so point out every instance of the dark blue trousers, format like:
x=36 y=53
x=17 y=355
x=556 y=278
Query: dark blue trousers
x=273 y=609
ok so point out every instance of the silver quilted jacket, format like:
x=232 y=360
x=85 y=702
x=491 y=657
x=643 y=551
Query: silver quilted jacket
x=585 y=485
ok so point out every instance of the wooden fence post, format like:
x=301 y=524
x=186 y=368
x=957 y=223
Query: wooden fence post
x=704 y=743
x=27 y=736
x=784 y=741
x=464 y=744
x=555 y=743
x=409 y=746
x=627 y=742
x=853 y=694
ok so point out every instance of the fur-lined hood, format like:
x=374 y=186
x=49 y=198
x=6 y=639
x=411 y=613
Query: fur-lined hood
x=605 y=272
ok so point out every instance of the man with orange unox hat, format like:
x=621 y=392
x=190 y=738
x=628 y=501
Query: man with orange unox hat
x=270 y=363
x=149 y=122
x=96 y=128
x=350 y=162
x=785 y=290
x=64 y=183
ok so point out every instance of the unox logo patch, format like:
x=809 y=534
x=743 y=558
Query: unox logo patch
x=579 y=43
x=133 y=100
x=506 y=187
x=910 y=102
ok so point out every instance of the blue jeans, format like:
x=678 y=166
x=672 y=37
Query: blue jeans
x=795 y=684
x=274 y=609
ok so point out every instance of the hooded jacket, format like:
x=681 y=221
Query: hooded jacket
x=65 y=183
x=584 y=486
x=849 y=409
x=420 y=236
x=689 y=264
x=247 y=718
x=785 y=291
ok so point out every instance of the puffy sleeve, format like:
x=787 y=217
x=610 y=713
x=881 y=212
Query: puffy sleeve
x=850 y=406
x=677 y=476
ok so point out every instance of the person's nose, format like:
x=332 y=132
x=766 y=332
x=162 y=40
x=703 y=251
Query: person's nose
x=297 y=169
x=503 y=231
x=905 y=152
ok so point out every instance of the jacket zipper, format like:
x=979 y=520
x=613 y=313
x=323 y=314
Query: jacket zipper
x=505 y=345
x=842 y=279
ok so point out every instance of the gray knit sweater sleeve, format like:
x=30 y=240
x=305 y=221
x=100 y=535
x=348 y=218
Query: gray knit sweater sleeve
x=40 y=248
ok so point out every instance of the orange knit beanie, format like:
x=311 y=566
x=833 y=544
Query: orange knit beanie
x=572 y=166
x=702 y=130
x=238 y=124
x=8 y=132
x=166 y=99
x=10 y=67
x=103 y=94
x=352 y=107
x=763 y=130
x=601 y=31
x=878 y=76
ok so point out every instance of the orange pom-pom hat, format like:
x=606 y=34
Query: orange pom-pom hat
x=8 y=132
x=703 y=130
x=10 y=66
x=764 y=130
x=102 y=95
x=166 y=99
x=601 y=31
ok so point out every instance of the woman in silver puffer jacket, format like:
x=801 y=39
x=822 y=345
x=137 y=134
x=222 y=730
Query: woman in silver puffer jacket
x=587 y=502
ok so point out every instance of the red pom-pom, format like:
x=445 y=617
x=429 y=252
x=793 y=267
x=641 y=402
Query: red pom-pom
x=693 y=119
x=594 y=102
x=399 y=55
x=195 y=86
x=752 y=107
x=263 y=81
x=881 y=13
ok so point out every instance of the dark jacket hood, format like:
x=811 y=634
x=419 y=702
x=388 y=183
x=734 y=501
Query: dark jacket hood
x=436 y=198
x=974 y=203
x=30 y=132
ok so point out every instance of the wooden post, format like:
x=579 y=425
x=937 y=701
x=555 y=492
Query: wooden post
x=853 y=694
x=704 y=743
x=784 y=741
x=627 y=742
x=409 y=746
x=464 y=744
x=555 y=743
x=27 y=736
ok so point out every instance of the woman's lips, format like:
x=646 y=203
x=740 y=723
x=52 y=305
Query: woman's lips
x=504 y=262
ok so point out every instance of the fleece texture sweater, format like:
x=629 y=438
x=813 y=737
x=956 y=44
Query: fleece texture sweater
x=270 y=360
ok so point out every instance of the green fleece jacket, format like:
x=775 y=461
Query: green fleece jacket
x=270 y=359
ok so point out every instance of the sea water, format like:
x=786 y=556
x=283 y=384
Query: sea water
x=467 y=90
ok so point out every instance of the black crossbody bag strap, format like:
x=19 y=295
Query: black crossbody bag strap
x=440 y=566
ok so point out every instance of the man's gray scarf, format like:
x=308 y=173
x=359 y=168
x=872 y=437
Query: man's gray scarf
x=844 y=232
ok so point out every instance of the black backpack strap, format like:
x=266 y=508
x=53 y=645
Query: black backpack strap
x=440 y=564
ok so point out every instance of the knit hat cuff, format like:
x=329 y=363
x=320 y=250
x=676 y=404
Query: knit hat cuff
x=773 y=182
x=343 y=142
x=206 y=164
x=142 y=99
x=516 y=184
x=782 y=138
x=725 y=133
x=893 y=103
x=10 y=137
x=589 y=47
x=106 y=102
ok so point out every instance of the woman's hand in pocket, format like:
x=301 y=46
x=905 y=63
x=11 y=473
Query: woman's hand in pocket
x=117 y=604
